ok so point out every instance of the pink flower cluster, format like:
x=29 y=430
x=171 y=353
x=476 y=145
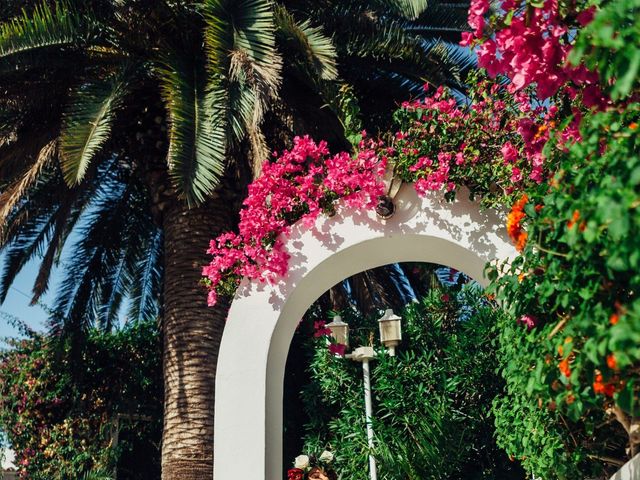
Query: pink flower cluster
x=446 y=144
x=532 y=48
x=297 y=186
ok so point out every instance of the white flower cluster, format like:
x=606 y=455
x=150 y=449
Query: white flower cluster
x=303 y=462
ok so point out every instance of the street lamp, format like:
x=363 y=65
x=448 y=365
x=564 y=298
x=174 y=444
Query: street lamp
x=339 y=331
x=390 y=330
x=390 y=335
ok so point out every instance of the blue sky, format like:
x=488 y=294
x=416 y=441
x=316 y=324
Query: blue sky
x=17 y=301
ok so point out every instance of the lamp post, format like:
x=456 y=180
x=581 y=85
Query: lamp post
x=390 y=334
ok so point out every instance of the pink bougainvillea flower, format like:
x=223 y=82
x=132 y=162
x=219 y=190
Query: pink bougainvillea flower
x=528 y=321
x=320 y=329
x=509 y=152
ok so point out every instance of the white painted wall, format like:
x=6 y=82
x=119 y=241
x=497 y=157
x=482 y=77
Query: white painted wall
x=629 y=471
x=262 y=319
x=7 y=458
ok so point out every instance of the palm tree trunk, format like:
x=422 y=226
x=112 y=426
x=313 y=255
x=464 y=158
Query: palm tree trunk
x=191 y=333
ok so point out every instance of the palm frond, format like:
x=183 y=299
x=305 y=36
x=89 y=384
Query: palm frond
x=137 y=240
x=65 y=220
x=197 y=128
x=88 y=122
x=245 y=25
x=410 y=9
x=252 y=78
x=443 y=17
x=317 y=49
x=92 y=271
x=29 y=242
x=396 y=50
x=10 y=196
x=145 y=290
x=45 y=26
x=241 y=46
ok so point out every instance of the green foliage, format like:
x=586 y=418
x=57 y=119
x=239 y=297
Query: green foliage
x=43 y=27
x=88 y=123
x=317 y=49
x=432 y=402
x=609 y=46
x=197 y=144
x=62 y=405
x=579 y=276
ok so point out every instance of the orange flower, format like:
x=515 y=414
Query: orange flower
x=613 y=319
x=521 y=277
x=633 y=125
x=611 y=362
x=563 y=366
x=574 y=218
x=600 y=387
x=514 y=225
x=571 y=398
x=522 y=241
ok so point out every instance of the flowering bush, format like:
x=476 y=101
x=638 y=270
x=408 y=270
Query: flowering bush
x=529 y=42
x=442 y=144
x=572 y=344
x=297 y=186
x=60 y=406
x=578 y=276
x=488 y=145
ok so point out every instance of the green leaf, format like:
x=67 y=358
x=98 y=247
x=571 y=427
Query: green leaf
x=624 y=84
x=88 y=121
x=45 y=27
x=197 y=127
x=245 y=25
x=314 y=45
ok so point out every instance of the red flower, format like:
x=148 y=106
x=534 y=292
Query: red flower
x=611 y=362
x=337 y=349
x=295 y=474
x=563 y=366
x=320 y=329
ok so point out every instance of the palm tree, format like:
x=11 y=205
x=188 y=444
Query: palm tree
x=129 y=130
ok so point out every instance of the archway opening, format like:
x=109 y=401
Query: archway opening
x=432 y=401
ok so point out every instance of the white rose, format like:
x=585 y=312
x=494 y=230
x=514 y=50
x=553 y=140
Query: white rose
x=326 y=456
x=301 y=461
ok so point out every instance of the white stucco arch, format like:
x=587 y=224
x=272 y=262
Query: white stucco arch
x=262 y=319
